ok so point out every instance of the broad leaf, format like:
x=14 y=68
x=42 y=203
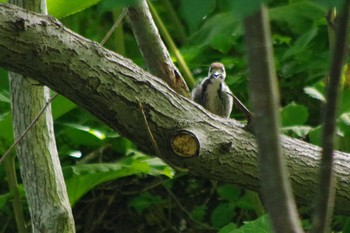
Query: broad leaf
x=229 y=192
x=144 y=201
x=229 y=228
x=83 y=177
x=260 y=225
x=294 y=114
x=315 y=93
x=195 y=17
x=63 y=8
x=298 y=17
x=222 y=215
x=61 y=106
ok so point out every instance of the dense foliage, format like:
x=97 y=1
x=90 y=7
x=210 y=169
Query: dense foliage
x=113 y=186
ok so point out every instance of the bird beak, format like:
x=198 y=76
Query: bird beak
x=217 y=75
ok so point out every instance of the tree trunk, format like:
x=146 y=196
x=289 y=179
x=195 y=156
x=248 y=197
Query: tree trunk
x=37 y=153
x=121 y=94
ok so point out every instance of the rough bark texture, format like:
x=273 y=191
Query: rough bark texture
x=40 y=166
x=37 y=153
x=112 y=88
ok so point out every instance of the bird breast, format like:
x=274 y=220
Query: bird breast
x=218 y=101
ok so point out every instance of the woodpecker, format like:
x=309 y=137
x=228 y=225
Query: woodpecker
x=213 y=93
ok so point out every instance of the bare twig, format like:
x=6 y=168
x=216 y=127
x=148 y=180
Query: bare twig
x=184 y=209
x=28 y=128
x=94 y=154
x=241 y=107
x=115 y=25
x=330 y=17
x=153 y=141
x=326 y=187
x=12 y=181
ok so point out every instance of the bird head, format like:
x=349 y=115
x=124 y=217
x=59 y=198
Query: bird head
x=217 y=71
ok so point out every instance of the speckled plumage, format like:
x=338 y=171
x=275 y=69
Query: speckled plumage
x=213 y=93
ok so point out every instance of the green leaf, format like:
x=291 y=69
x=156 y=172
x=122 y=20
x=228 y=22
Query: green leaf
x=344 y=105
x=120 y=144
x=315 y=136
x=214 y=26
x=222 y=215
x=198 y=213
x=109 y=5
x=330 y=4
x=61 y=106
x=4 y=97
x=346 y=228
x=4 y=198
x=301 y=43
x=260 y=225
x=281 y=39
x=343 y=122
x=315 y=93
x=83 y=177
x=63 y=8
x=229 y=192
x=194 y=17
x=144 y=201
x=223 y=43
x=240 y=8
x=300 y=131
x=298 y=17
x=294 y=114
x=6 y=132
x=228 y=228
x=248 y=201
x=83 y=135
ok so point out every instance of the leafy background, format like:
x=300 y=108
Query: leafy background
x=114 y=186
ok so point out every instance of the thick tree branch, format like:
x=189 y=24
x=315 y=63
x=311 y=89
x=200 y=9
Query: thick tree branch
x=112 y=88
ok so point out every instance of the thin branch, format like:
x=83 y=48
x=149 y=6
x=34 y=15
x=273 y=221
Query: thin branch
x=326 y=187
x=172 y=47
x=241 y=107
x=276 y=188
x=154 y=52
x=12 y=181
x=94 y=154
x=19 y=139
x=115 y=25
x=330 y=17
x=178 y=203
x=153 y=141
